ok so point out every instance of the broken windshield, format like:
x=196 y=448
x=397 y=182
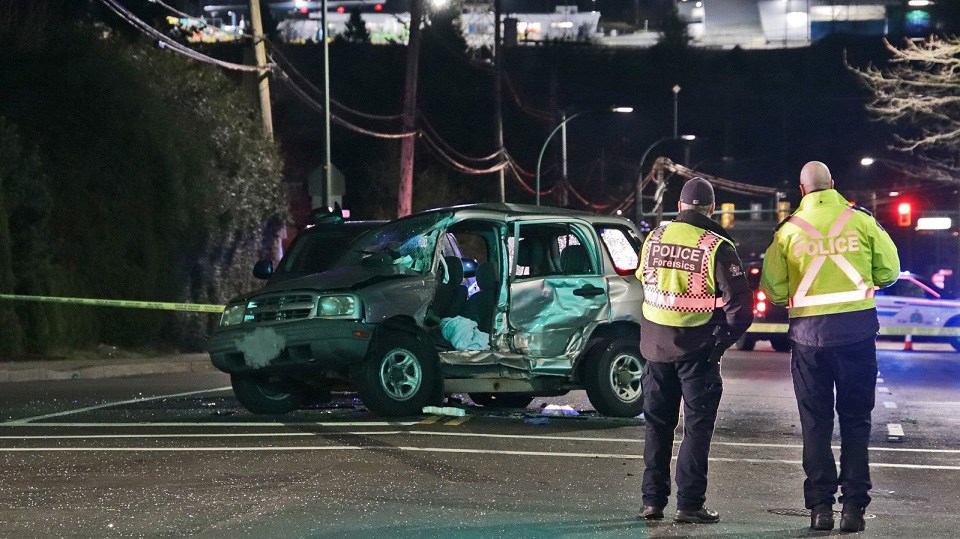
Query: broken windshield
x=405 y=246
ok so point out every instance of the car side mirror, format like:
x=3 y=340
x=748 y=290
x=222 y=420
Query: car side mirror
x=263 y=269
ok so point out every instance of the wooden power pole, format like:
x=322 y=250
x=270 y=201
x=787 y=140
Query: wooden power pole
x=407 y=144
x=498 y=91
x=263 y=80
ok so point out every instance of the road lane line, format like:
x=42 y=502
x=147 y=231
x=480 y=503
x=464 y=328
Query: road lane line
x=618 y=456
x=936 y=403
x=889 y=404
x=118 y=403
x=457 y=421
x=430 y=420
x=879 y=380
x=429 y=433
x=216 y=424
x=882 y=389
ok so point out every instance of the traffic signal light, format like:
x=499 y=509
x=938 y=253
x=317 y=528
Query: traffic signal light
x=904 y=214
x=726 y=219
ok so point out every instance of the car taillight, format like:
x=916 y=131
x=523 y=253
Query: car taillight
x=761 y=304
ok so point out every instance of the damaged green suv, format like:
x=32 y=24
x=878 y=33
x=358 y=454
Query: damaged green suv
x=504 y=302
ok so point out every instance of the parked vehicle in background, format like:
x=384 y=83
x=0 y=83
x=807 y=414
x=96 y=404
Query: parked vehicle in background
x=764 y=312
x=914 y=301
x=555 y=308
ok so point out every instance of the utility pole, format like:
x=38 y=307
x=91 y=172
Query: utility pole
x=498 y=91
x=407 y=144
x=263 y=82
x=327 y=159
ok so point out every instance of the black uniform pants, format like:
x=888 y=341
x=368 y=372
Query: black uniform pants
x=699 y=384
x=852 y=370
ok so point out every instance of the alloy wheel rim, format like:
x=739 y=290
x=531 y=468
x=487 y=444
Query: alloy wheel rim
x=400 y=374
x=625 y=373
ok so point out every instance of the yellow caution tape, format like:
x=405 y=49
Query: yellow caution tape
x=918 y=331
x=155 y=305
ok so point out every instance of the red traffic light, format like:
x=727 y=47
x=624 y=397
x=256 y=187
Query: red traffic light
x=378 y=7
x=904 y=214
x=341 y=9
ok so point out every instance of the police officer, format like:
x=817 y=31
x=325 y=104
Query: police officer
x=824 y=263
x=697 y=303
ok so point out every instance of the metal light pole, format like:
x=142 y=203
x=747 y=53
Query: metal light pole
x=327 y=163
x=643 y=159
x=562 y=126
x=676 y=110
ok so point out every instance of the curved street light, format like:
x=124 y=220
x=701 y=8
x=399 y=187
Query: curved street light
x=643 y=159
x=621 y=110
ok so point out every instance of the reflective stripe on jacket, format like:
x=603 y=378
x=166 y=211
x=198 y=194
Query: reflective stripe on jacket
x=677 y=271
x=827 y=258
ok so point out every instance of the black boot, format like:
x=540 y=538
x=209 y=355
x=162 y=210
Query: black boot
x=851 y=519
x=821 y=517
x=650 y=512
x=703 y=516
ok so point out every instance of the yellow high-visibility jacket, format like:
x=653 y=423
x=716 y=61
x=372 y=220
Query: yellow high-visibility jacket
x=828 y=257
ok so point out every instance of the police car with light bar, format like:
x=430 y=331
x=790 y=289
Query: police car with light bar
x=913 y=301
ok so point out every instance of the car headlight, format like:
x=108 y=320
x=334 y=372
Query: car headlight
x=233 y=314
x=338 y=307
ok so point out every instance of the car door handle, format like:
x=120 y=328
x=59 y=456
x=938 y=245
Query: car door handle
x=588 y=291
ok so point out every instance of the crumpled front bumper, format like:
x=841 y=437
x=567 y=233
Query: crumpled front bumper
x=284 y=347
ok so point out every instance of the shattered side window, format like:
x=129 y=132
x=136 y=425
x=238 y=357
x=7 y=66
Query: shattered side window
x=518 y=271
x=624 y=247
x=403 y=246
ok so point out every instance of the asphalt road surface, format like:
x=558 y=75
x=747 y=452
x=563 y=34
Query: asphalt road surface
x=174 y=455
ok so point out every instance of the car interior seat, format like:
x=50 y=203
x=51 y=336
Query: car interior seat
x=481 y=306
x=451 y=295
x=530 y=254
x=575 y=260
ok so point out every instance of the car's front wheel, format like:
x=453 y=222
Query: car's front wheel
x=612 y=377
x=263 y=395
x=400 y=376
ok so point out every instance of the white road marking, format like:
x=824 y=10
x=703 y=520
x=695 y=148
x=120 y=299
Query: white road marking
x=889 y=404
x=879 y=380
x=936 y=403
x=883 y=389
x=117 y=403
x=618 y=456
x=219 y=424
x=421 y=433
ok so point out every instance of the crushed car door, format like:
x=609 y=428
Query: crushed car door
x=556 y=286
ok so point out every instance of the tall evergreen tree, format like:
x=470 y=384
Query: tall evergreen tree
x=356 y=31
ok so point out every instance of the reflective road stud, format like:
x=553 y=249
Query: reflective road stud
x=894 y=432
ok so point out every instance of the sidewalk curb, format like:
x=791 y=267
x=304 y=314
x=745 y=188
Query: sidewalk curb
x=135 y=368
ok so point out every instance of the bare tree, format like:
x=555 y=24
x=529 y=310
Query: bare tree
x=919 y=94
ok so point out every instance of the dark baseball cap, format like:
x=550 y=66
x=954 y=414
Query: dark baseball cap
x=697 y=191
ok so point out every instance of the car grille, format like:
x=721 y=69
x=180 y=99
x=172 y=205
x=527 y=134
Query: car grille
x=280 y=308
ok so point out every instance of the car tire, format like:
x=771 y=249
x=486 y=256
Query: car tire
x=611 y=374
x=954 y=341
x=400 y=376
x=502 y=400
x=780 y=344
x=264 y=396
x=745 y=343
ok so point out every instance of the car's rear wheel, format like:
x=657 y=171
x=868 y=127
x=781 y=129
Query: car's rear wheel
x=263 y=395
x=399 y=377
x=611 y=374
x=745 y=343
x=780 y=344
x=502 y=400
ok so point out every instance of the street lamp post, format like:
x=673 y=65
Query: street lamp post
x=566 y=120
x=643 y=159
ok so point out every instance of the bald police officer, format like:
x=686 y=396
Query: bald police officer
x=824 y=263
x=696 y=304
